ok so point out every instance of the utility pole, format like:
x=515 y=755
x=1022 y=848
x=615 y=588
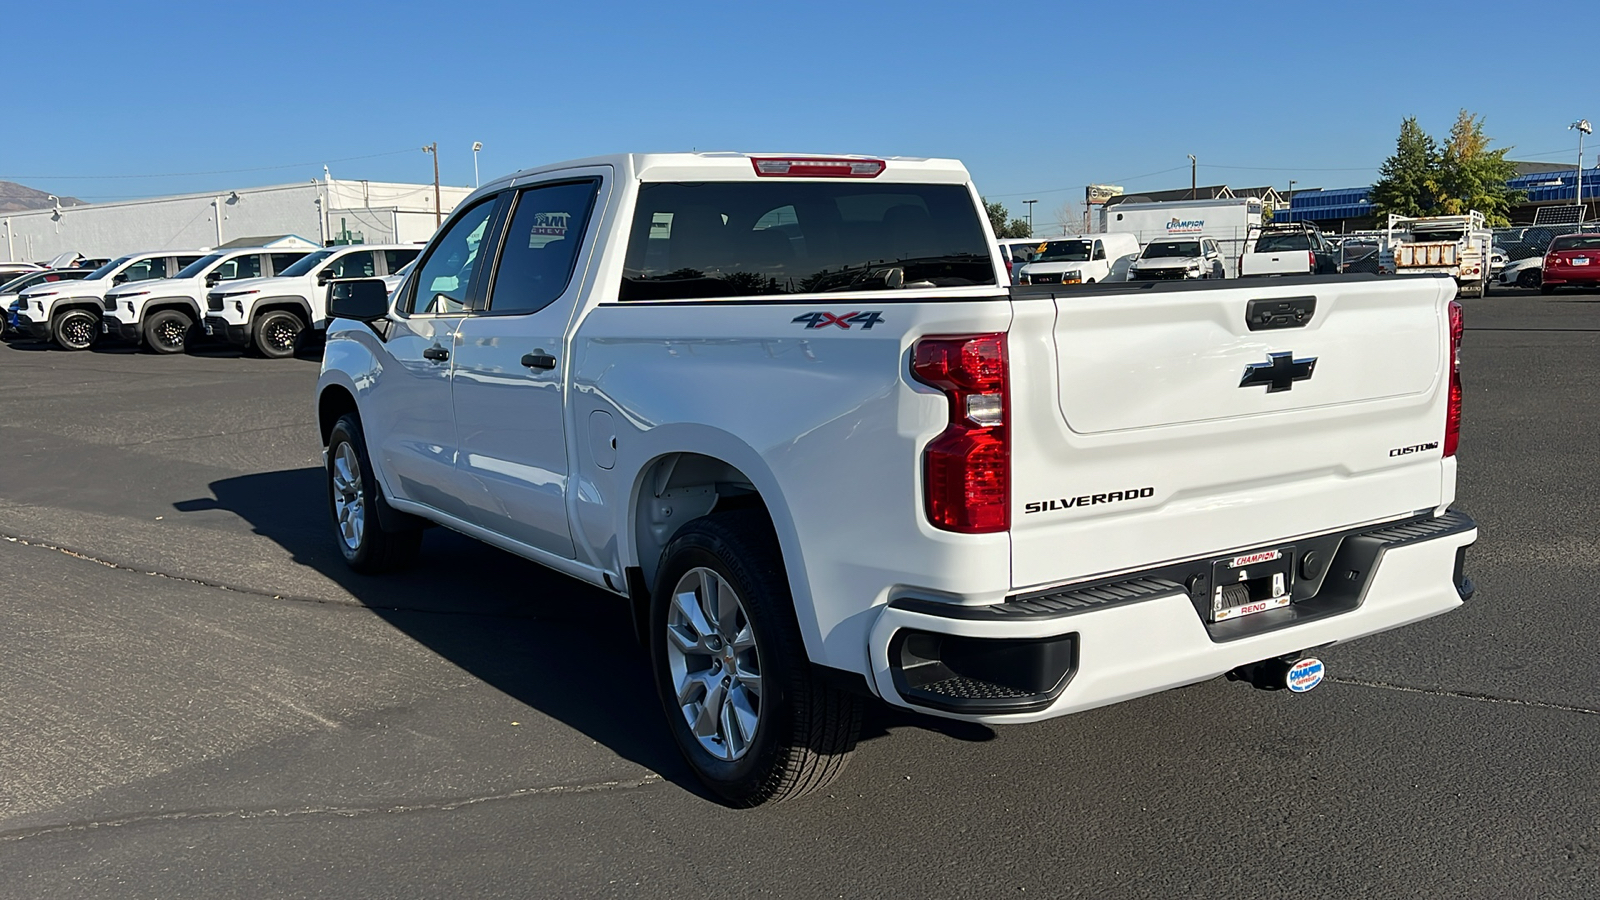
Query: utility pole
x=1193 y=184
x=438 y=211
x=476 y=146
x=1030 y=215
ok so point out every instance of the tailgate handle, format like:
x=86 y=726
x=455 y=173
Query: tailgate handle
x=1279 y=312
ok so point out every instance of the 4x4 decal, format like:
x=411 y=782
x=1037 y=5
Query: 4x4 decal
x=823 y=319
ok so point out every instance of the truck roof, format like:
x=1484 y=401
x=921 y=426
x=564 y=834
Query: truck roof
x=737 y=166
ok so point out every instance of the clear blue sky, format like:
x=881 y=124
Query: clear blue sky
x=1037 y=98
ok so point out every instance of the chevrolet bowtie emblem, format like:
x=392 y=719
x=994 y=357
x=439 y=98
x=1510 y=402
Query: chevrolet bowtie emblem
x=1279 y=372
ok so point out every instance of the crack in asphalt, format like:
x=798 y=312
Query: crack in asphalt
x=347 y=812
x=212 y=434
x=1465 y=695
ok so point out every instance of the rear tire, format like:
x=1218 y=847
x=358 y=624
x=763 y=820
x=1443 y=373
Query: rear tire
x=276 y=334
x=742 y=702
x=356 y=503
x=75 y=329
x=168 y=331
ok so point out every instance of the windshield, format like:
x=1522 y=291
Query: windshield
x=193 y=270
x=1064 y=251
x=306 y=264
x=107 y=269
x=1576 y=242
x=731 y=239
x=1158 y=249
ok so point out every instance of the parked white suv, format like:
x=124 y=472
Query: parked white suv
x=272 y=314
x=69 y=313
x=163 y=314
x=789 y=407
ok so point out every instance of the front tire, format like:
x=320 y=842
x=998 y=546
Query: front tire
x=75 y=329
x=168 y=330
x=1529 y=278
x=354 y=500
x=276 y=334
x=742 y=702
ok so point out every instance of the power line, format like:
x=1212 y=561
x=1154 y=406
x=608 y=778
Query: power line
x=212 y=172
x=1080 y=187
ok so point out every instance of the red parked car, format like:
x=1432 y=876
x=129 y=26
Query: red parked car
x=1572 y=259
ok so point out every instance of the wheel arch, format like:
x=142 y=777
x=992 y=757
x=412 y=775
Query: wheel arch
x=333 y=402
x=707 y=471
x=181 y=304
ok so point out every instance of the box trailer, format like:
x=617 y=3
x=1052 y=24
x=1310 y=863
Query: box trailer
x=1228 y=221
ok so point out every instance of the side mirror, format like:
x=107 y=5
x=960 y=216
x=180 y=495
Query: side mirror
x=119 y=278
x=325 y=276
x=361 y=299
x=213 y=278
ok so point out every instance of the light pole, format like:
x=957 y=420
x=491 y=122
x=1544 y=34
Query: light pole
x=1583 y=127
x=1288 y=198
x=476 y=146
x=1030 y=215
x=438 y=211
x=1194 y=167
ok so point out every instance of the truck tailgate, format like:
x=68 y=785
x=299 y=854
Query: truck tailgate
x=1155 y=425
x=1281 y=262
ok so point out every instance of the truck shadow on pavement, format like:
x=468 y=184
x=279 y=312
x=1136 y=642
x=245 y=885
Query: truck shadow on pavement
x=560 y=646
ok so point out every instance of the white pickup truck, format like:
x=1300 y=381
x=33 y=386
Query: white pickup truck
x=1287 y=248
x=1461 y=247
x=789 y=407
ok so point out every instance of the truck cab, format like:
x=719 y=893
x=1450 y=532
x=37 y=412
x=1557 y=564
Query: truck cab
x=162 y=314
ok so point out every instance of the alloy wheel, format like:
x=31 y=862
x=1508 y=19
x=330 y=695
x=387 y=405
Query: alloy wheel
x=714 y=663
x=349 y=507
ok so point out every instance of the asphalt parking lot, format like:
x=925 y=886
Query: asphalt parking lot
x=200 y=701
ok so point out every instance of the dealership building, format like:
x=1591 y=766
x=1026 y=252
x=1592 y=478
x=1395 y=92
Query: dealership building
x=329 y=211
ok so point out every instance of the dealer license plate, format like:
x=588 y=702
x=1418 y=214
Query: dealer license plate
x=1251 y=583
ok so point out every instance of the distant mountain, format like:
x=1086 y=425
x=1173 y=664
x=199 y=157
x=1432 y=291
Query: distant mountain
x=16 y=198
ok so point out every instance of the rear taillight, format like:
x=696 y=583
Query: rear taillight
x=1452 y=418
x=1311 y=260
x=967 y=468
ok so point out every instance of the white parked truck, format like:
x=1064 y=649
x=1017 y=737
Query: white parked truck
x=1287 y=248
x=789 y=408
x=1457 y=246
x=69 y=313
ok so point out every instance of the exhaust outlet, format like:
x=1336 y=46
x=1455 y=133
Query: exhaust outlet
x=1295 y=672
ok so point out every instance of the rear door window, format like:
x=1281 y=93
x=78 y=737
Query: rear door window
x=541 y=246
x=732 y=239
x=248 y=266
x=146 y=269
x=281 y=261
x=397 y=259
x=359 y=264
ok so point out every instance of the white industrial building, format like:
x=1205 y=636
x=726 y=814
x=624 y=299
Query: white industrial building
x=332 y=210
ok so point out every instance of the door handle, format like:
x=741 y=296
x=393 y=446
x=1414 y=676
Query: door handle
x=437 y=354
x=539 y=360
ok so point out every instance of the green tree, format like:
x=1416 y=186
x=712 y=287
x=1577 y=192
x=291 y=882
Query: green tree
x=1409 y=180
x=1473 y=177
x=1004 y=226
